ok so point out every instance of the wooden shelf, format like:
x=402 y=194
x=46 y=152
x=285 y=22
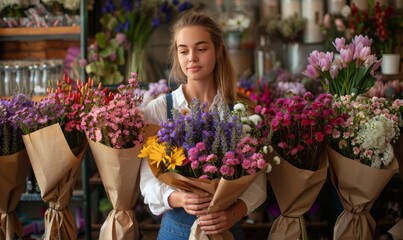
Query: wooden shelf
x=25 y=31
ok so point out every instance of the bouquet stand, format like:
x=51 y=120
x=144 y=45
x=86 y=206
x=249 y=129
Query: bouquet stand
x=13 y=172
x=295 y=190
x=358 y=186
x=56 y=167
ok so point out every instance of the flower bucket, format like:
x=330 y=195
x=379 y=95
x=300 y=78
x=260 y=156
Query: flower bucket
x=56 y=168
x=358 y=186
x=13 y=172
x=296 y=190
x=390 y=64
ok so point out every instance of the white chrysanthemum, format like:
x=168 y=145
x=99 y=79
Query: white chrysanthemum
x=376 y=132
x=256 y=119
x=71 y=4
x=239 y=107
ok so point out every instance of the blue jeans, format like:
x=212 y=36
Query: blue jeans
x=176 y=224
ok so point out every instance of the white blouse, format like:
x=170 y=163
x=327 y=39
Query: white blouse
x=155 y=192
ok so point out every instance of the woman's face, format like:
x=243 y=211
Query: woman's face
x=196 y=53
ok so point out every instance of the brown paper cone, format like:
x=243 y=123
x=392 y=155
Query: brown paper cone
x=13 y=172
x=119 y=171
x=295 y=190
x=225 y=193
x=398 y=150
x=397 y=230
x=55 y=167
x=358 y=186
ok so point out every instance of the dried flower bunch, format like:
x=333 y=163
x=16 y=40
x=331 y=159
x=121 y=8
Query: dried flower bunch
x=204 y=145
x=367 y=129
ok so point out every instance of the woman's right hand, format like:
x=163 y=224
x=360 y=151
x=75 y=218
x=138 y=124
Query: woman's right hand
x=194 y=204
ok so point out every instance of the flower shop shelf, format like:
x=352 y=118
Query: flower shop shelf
x=71 y=32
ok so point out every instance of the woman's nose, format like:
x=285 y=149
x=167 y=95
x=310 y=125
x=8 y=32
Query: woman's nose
x=192 y=56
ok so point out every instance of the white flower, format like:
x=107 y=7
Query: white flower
x=239 y=107
x=239 y=22
x=276 y=160
x=246 y=128
x=256 y=119
x=268 y=168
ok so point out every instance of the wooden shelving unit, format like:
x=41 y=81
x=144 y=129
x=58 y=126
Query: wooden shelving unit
x=40 y=31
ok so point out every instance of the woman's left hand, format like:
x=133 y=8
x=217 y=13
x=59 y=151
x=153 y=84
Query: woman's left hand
x=216 y=223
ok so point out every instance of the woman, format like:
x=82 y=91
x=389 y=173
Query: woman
x=200 y=61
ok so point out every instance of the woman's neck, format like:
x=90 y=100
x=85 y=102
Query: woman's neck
x=204 y=91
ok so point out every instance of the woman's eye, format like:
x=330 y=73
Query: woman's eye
x=202 y=49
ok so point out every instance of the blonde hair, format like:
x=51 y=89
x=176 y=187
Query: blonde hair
x=224 y=75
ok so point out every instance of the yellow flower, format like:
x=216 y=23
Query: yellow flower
x=145 y=150
x=176 y=158
x=157 y=154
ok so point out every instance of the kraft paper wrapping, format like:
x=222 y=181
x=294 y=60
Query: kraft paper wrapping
x=13 y=172
x=398 y=150
x=119 y=171
x=224 y=192
x=295 y=190
x=358 y=186
x=397 y=230
x=56 y=168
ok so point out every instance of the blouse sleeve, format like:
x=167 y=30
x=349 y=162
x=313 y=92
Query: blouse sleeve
x=255 y=194
x=155 y=192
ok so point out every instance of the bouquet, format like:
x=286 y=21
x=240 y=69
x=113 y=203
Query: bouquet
x=351 y=74
x=56 y=145
x=301 y=127
x=368 y=129
x=115 y=132
x=205 y=151
x=362 y=159
x=14 y=164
